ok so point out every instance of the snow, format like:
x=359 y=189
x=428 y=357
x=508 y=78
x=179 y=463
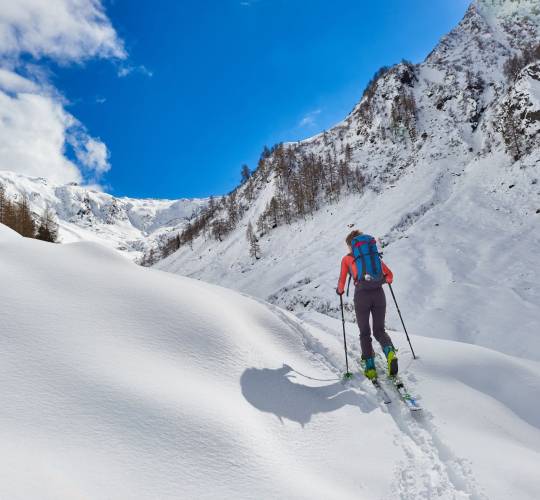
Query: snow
x=124 y=382
x=128 y=225
x=447 y=228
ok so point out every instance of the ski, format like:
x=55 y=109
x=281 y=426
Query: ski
x=381 y=391
x=398 y=384
x=410 y=401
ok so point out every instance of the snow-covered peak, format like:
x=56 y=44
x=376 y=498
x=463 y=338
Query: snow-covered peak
x=129 y=225
x=504 y=10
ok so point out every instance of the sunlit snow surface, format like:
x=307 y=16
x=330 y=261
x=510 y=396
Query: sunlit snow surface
x=123 y=382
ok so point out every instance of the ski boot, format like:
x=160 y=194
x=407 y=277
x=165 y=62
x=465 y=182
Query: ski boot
x=368 y=365
x=391 y=359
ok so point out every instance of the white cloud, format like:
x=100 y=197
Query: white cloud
x=93 y=154
x=12 y=82
x=33 y=132
x=310 y=118
x=35 y=128
x=65 y=30
x=126 y=70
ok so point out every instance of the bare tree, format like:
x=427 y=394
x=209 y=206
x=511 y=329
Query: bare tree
x=510 y=132
x=219 y=229
x=25 y=224
x=48 y=227
x=245 y=174
x=3 y=203
x=254 y=248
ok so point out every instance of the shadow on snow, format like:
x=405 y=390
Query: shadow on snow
x=272 y=391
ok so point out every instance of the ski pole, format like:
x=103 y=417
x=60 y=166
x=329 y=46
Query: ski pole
x=348 y=374
x=401 y=318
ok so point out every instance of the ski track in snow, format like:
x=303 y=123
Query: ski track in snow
x=432 y=469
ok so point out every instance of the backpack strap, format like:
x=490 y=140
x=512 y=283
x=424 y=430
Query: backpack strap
x=363 y=270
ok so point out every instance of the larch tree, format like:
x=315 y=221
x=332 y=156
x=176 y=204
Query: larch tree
x=254 y=248
x=48 y=228
x=245 y=174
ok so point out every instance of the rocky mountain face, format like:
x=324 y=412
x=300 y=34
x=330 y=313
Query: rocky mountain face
x=132 y=226
x=440 y=160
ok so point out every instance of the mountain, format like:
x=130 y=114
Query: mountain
x=439 y=160
x=131 y=226
x=120 y=381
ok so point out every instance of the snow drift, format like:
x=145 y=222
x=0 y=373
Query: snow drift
x=123 y=382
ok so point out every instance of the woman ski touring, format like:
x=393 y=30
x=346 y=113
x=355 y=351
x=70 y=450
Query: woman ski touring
x=364 y=265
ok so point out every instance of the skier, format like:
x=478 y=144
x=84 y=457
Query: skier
x=369 y=298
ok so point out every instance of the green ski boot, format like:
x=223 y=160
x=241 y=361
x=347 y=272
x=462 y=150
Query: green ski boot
x=392 y=360
x=368 y=365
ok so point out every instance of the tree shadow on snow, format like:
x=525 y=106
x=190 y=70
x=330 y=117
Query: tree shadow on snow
x=272 y=391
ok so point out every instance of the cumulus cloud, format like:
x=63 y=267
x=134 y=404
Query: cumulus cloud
x=37 y=134
x=65 y=30
x=33 y=136
x=93 y=154
x=14 y=83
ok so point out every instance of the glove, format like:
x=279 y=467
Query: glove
x=338 y=292
x=388 y=279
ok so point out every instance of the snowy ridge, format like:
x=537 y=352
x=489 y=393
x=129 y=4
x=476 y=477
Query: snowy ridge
x=129 y=225
x=445 y=194
x=122 y=382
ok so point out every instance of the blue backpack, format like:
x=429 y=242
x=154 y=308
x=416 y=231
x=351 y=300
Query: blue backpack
x=368 y=262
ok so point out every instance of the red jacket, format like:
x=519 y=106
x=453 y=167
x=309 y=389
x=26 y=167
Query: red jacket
x=348 y=266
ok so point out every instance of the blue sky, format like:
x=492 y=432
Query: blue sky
x=210 y=82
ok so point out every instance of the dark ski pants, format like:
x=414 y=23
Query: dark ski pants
x=372 y=302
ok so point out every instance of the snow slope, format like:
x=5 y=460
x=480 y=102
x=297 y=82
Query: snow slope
x=123 y=382
x=458 y=215
x=462 y=242
x=131 y=226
